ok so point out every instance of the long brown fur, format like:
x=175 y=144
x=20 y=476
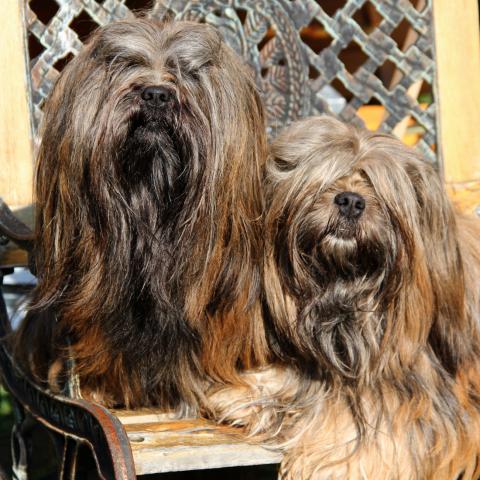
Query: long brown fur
x=374 y=320
x=148 y=218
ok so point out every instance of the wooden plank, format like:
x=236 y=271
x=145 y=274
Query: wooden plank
x=171 y=445
x=16 y=163
x=142 y=415
x=457 y=47
x=466 y=197
x=11 y=256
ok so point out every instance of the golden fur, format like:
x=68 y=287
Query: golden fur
x=374 y=320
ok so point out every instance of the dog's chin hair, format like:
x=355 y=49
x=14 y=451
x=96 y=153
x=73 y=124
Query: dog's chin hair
x=338 y=250
x=147 y=219
x=380 y=332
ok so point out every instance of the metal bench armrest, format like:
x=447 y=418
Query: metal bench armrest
x=13 y=229
x=73 y=420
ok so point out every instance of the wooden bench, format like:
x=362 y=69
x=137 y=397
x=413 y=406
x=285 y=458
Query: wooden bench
x=163 y=445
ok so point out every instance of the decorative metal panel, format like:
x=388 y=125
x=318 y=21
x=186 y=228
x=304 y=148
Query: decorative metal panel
x=298 y=73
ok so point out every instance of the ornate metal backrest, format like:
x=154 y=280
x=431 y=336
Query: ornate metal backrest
x=299 y=76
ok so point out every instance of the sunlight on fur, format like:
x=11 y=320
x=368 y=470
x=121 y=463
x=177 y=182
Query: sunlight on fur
x=148 y=194
x=372 y=309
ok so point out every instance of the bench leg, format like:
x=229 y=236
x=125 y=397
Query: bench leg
x=68 y=468
x=19 y=455
x=20 y=443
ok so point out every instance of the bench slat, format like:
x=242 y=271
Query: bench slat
x=163 y=444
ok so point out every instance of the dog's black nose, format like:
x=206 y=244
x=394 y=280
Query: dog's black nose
x=350 y=204
x=157 y=94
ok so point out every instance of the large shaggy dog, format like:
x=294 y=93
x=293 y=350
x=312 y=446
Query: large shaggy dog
x=148 y=209
x=372 y=286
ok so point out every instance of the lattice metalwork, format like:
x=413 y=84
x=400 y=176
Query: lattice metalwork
x=298 y=50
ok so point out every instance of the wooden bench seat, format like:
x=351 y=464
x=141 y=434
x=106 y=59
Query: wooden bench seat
x=162 y=444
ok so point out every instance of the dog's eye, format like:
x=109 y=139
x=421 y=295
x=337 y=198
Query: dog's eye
x=132 y=63
x=123 y=61
x=194 y=73
x=283 y=165
x=206 y=65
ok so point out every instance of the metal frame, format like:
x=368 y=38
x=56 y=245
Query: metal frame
x=268 y=34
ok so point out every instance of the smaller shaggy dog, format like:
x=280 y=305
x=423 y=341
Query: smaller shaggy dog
x=149 y=241
x=372 y=287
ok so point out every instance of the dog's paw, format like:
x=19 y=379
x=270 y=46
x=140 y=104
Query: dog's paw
x=235 y=405
x=252 y=405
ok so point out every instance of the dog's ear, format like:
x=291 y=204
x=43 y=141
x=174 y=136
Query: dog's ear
x=449 y=333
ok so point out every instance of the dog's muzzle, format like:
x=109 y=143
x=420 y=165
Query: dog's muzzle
x=157 y=96
x=351 y=205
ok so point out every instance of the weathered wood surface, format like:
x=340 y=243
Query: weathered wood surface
x=11 y=256
x=466 y=197
x=16 y=164
x=161 y=443
x=457 y=47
